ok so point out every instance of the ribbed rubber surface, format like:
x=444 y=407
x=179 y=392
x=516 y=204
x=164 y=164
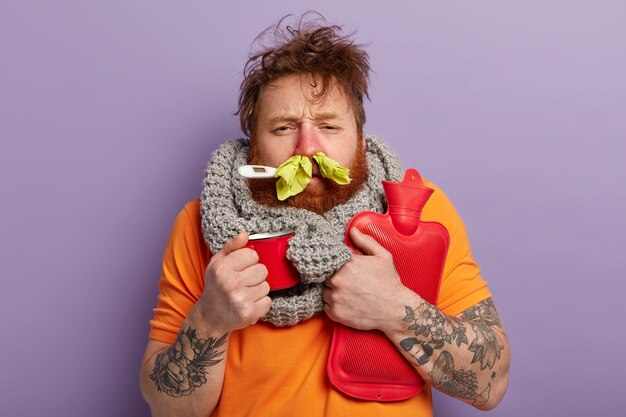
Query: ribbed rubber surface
x=365 y=364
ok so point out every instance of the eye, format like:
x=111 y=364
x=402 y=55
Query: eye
x=282 y=129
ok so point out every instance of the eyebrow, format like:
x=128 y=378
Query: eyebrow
x=317 y=116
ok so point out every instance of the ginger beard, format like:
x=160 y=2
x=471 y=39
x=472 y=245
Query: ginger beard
x=319 y=196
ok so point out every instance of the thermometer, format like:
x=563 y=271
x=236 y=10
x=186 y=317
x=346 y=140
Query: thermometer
x=256 y=171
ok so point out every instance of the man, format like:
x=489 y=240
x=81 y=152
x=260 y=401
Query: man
x=222 y=344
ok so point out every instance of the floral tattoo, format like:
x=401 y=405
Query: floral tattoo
x=428 y=322
x=488 y=345
x=460 y=384
x=433 y=331
x=181 y=369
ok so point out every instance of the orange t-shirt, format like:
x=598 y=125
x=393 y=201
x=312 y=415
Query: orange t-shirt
x=274 y=371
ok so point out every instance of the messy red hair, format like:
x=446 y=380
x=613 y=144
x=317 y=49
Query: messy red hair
x=311 y=48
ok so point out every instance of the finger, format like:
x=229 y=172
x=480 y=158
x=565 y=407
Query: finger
x=329 y=282
x=264 y=305
x=241 y=259
x=367 y=244
x=253 y=275
x=326 y=295
x=259 y=291
x=261 y=307
x=238 y=242
x=329 y=312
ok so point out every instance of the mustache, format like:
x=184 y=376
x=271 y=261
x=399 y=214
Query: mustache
x=325 y=195
x=315 y=169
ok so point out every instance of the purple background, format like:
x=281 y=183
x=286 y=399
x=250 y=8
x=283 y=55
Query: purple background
x=110 y=110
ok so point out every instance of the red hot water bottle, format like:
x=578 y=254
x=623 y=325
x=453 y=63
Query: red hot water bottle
x=365 y=364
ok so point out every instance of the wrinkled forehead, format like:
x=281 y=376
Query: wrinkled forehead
x=288 y=92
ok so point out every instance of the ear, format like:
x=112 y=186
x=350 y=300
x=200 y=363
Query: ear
x=362 y=139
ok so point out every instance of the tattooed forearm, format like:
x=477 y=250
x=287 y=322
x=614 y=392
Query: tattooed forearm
x=484 y=312
x=460 y=384
x=487 y=345
x=433 y=331
x=182 y=368
x=474 y=342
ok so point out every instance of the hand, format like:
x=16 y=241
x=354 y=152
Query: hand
x=365 y=293
x=236 y=292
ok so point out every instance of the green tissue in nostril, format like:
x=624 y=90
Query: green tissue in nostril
x=295 y=173
x=331 y=169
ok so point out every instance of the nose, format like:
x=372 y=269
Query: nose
x=308 y=141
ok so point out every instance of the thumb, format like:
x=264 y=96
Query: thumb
x=235 y=243
x=367 y=244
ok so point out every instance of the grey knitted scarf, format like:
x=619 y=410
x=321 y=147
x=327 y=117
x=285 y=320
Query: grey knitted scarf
x=317 y=249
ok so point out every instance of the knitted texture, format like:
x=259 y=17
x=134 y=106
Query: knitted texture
x=316 y=249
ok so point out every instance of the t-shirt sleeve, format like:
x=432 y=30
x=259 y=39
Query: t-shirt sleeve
x=182 y=276
x=462 y=284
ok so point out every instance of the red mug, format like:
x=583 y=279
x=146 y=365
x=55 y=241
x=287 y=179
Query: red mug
x=272 y=251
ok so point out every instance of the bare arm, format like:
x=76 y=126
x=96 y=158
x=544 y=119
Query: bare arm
x=185 y=378
x=467 y=357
